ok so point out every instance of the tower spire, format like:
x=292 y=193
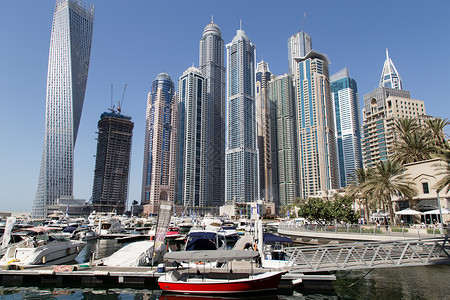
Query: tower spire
x=240 y=24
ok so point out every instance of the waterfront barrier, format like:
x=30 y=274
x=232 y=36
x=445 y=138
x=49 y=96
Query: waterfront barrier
x=360 y=232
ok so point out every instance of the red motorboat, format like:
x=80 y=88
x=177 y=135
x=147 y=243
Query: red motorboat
x=219 y=283
x=218 y=280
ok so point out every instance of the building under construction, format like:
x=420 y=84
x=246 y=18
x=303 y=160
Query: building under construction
x=112 y=163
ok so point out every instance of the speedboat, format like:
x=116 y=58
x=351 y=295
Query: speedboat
x=43 y=248
x=217 y=280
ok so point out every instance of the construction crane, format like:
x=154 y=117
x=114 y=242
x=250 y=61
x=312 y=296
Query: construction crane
x=119 y=105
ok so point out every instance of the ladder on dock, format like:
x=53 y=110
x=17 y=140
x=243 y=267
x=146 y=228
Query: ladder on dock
x=368 y=255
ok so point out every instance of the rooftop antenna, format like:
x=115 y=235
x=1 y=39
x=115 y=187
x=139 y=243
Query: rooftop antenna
x=119 y=105
x=212 y=18
x=387 y=53
x=240 y=24
x=303 y=22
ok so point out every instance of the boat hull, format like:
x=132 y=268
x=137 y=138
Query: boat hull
x=267 y=282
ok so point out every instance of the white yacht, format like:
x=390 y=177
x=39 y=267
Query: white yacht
x=41 y=247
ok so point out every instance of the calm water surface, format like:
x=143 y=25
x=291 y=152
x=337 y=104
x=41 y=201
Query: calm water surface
x=430 y=282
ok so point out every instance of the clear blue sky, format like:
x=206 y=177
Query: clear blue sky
x=136 y=40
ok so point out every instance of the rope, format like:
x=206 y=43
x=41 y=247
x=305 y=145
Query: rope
x=360 y=278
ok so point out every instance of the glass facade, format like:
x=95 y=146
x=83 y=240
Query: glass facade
x=68 y=65
x=192 y=143
x=211 y=64
x=158 y=182
x=347 y=124
x=264 y=131
x=282 y=94
x=315 y=122
x=241 y=147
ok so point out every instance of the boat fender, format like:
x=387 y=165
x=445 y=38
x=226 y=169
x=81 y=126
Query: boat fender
x=43 y=259
x=68 y=251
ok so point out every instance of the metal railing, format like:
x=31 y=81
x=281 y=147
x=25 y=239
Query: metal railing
x=367 y=255
x=357 y=229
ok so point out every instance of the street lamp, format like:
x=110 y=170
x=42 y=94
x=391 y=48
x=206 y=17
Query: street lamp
x=441 y=225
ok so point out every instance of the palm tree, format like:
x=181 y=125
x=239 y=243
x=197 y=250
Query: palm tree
x=414 y=146
x=355 y=189
x=445 y=170
x=404 y=126
x=436 y=128
x=388 y=179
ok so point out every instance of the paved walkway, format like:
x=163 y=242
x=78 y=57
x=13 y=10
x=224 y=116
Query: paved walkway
x=356 y=233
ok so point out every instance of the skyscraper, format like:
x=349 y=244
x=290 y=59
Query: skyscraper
x=315 y=123
x=282 y=92
x=264 y=130
x=241 y=147
x=382 y=107
x=345 y=100
x=212 y=67
x=112 y=163
x=192 y=131
x=298 y=46
x=158 y=180
x=68 y=65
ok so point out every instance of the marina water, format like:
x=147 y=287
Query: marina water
x=430 y=282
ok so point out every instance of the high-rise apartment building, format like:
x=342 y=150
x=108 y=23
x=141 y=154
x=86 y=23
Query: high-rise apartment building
x=382 y=107
x=298 y=46
x=344 y=95
x=264 y=131
x=158 y=180
x=315 y=124
x=112 y=163
x=211 y=64
x=192 y=131
x=241 y=148
x=68 y=65
x=282 y=93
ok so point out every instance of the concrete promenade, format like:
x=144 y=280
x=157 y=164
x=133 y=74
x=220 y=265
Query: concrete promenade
x=356 y=232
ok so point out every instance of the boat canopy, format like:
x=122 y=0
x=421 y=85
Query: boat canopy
x=210 y=255
x=38 y=229
x=270 y=238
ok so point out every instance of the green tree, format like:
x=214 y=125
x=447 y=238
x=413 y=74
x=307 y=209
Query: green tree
x=414 y=146
x=444 y=168
x=342 y=210
x=436 y=128
x=388 y=179
x=356 y=189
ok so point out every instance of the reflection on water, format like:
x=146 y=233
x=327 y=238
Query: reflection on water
x=417 y=283
x=100 y=248
x=427 y=282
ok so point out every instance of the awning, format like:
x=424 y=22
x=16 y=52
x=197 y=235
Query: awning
x=408 y=212
x=270 y=238
x=445 y=211
x=210 y=255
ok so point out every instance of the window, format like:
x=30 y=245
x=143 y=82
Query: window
x=425 y=188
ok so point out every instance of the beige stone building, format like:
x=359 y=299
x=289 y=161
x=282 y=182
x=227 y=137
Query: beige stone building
x=425 y=176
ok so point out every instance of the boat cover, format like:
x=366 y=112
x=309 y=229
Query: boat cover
x=210 y=255
x=270 y=238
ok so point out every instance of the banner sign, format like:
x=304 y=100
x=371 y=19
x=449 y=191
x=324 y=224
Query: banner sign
x=162 y=225
x=8 y=228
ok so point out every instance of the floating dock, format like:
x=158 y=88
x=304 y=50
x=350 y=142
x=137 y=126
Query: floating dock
x=130 y=277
